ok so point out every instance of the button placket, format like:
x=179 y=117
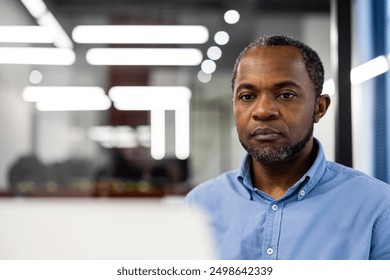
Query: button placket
x=272 y=228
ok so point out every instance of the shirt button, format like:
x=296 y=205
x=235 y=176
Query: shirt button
x=270 y=251
x=302 y=192
x=274 y=207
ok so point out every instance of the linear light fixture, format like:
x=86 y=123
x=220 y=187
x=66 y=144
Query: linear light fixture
x=62 y=39
x=149 y=97
x=140 y=34
x=369 y=70
x=39 y=10
x=157 y=100
x=26 y=34
x=144 y=56
x=182 y=131
x=36 y=56
x=157 y=134
x=36 y=7
x=99 y=104
x=67 y=98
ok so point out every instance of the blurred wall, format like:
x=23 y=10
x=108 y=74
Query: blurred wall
x=16 y=115
x=56 y=136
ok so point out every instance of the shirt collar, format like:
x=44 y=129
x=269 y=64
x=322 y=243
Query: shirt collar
x=307 y=182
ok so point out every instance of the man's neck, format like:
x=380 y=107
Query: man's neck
x=275 y=179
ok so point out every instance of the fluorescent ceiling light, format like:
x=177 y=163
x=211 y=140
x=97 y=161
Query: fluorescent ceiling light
x=35 y=7
x=204 y=77
x=369 y=70
x=41 y=93
x=56 y=98
x=44 y=17
x=231 y=17
x=36 y=77
x=37 y=56
x=182 y=132
x=157 y=133
x=100 y=104
x=26 y=34
x=214 y=53
x=62 y=39
x=140 y=34
x=221 y=38
x=157 y=100
x=149 y=97
x=144 y=56
x=208 y=66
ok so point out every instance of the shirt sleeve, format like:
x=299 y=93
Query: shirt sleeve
x=380 y=246
x=190 y=199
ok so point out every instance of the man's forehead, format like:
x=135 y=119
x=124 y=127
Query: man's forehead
x=270 y=58
x=274 y=65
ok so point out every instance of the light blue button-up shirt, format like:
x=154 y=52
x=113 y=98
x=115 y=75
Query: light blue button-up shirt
x=332 y=212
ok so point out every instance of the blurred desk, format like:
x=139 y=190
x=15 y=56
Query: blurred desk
x=102 y=228
x=107 y=188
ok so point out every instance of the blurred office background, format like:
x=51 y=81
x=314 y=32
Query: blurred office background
x=84 y=113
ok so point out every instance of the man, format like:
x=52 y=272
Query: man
x=286 y=201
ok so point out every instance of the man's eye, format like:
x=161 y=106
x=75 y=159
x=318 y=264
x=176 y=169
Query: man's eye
x=287 y=95
x=246 y=96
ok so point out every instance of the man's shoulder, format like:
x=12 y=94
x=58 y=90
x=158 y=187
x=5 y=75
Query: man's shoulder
x=355 y=177
x=213 y=187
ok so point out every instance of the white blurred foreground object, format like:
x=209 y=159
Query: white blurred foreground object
x=101 y=229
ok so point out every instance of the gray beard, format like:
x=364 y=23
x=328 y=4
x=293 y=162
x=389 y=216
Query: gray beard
x=273 y=154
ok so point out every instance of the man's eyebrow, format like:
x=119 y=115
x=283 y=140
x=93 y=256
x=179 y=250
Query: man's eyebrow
x=286 y=84
x=282 y=84
x=246 y=86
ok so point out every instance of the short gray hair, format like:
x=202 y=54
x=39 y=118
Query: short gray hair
x=313 y=64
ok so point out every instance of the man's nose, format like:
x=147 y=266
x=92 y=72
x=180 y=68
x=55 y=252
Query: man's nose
x=265 y=108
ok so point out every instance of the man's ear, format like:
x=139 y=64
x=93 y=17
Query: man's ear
x=322 y=105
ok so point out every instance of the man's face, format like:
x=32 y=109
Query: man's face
x=274 y=103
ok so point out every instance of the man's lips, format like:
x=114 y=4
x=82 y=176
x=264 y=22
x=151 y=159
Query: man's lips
x=265 y=134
